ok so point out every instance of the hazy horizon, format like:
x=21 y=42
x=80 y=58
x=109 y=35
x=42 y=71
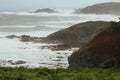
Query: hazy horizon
x=6 y=5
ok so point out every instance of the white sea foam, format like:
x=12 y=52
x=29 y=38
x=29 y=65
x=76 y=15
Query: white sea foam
x=54 y=21
x=31 y=53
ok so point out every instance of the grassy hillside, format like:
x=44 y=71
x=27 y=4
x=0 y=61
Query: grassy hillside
x=77 y=35
x=102 y=51
x=59 y=74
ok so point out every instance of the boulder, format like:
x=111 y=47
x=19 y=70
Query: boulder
x=16 y=62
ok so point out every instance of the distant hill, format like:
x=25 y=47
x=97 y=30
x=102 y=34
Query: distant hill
x=44 y=10
x=102 y=8
x=102 y=51
x=77 y=35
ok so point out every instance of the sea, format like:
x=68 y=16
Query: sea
x=38 y=25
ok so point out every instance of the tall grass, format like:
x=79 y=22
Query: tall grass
x=8 y=73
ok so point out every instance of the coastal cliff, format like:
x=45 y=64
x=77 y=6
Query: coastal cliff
x=103 y=51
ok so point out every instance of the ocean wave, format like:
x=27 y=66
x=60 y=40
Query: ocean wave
x=59 y=14
x=26 y=28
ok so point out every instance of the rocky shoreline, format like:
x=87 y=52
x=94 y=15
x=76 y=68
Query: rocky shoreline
x=72 y=37
x=96 y=40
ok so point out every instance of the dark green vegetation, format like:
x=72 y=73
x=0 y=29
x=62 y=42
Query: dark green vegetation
x=101 y=8
x=59 y=74
x=102 y=51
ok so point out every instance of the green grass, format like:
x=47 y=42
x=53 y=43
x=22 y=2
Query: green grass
x=59 y=74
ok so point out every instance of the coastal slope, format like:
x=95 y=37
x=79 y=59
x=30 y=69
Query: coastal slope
x=103 y=51
x=77 y=35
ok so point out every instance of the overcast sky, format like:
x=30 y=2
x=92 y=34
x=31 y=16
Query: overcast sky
x=35 y=4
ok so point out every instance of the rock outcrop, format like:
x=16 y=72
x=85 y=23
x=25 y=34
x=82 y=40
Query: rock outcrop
x=26 y=38
x=102 y=8
x=16 y=62
x=103 y=51
x=45 y=10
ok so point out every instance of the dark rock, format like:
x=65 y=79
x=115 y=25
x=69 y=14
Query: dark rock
x=60 y=57
x=20 y=62
x=16 y=62
x=47 y=10
x=11 y=36
x=25 y=38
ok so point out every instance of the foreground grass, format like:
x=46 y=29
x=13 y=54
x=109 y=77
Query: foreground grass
x=58 y=74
